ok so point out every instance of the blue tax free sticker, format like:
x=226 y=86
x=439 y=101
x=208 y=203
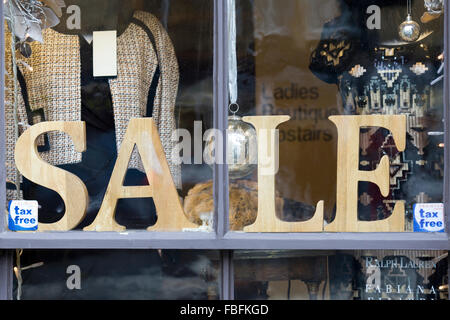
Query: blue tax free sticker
x=23 y=215
x=429 y=217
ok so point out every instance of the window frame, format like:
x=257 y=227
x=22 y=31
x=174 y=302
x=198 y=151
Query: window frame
x=223 y=240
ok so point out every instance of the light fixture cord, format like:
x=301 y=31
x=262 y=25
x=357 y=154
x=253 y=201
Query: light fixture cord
x=18 y=273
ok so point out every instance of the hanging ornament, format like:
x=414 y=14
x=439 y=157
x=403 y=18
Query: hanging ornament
x=409 y=30
x=27 y=19
x=434 y=6
x=434 y=10
x=242 y=150
x=24 y=48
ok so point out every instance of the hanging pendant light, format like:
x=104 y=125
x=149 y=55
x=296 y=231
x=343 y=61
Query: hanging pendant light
x=409 y=30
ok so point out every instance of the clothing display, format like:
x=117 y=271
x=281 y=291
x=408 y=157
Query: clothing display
x=391 y=77
x=57 y=84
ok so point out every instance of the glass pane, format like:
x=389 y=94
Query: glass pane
x=116 y=275
x=341 y=275
x=66 y=65
x=310 y=60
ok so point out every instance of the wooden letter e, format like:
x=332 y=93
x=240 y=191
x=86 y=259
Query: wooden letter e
x=348 y=174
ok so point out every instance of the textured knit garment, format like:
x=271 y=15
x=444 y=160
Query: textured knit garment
x=54 y=86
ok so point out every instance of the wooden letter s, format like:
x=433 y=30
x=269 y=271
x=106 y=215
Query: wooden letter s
x=71 y=189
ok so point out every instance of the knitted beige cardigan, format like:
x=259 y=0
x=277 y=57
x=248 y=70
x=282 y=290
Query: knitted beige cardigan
x=53 y=84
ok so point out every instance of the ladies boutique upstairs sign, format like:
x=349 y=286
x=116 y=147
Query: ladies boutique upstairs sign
x=143 y=134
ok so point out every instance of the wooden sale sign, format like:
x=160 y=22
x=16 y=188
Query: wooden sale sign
x=143 y=134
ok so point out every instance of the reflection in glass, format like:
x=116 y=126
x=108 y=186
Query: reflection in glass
x=341 y=275
x=116 y=275
x=164 y=71
x=314 y=59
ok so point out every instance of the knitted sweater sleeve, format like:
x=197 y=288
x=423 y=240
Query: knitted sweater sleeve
x=11 y=123
x=166 y=95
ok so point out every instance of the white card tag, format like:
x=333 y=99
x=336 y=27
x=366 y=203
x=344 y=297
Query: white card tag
x=104 y=53
x=23 y=215
x=429 y=217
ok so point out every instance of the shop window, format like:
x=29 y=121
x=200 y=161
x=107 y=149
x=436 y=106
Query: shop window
x=83 y=74
x=116 y=274
x=341 y=275
x=115 y=121
x=325 y=64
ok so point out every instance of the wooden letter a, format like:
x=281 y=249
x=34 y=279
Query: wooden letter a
x=143 y=133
